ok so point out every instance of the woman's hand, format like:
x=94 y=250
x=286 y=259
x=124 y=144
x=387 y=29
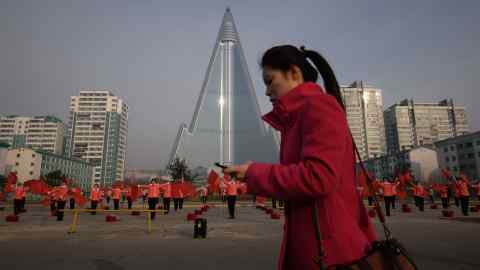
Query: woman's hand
x=238 y=171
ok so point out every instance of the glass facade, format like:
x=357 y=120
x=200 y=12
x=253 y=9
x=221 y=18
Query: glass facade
x=226 y=124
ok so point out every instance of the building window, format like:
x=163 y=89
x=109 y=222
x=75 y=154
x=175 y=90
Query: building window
x=18 y=155
x=460 y=146
x=478 y=142
x=471 y=155
x=33 y=155
x=478 y=154
x=454 y=158
x=32 y=164
x=31 y=173
x=452 y=147
x=16 y=163
x=447 y=159
x=469 y=145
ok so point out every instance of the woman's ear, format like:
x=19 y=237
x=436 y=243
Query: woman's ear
x=297 y=74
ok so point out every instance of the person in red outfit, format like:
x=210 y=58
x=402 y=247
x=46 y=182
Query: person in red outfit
x=95 y=197
x=61 y=196
x=317 y=163
x=19 y=199
x=389 y=192
x=117 y=193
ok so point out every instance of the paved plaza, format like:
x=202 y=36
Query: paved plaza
x=251 y=241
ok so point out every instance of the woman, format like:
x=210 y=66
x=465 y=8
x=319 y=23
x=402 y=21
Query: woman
x=153 y=196
x=317 y=163
x=95 y=197
x=167 y=196
x=419 y=195
x=117 y=193
x=462 y=185
x=388 y=186
x=444 y=196
x=128 y=194
x=19 y=199
x=60 y=196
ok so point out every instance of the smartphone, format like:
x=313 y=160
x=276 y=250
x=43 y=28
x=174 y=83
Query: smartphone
x=220 y=165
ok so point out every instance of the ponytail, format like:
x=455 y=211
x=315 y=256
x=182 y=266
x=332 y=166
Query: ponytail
x=329 y=79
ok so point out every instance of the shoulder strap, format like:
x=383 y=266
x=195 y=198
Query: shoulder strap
x=376 y=203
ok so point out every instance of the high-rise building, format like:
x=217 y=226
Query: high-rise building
x=97 y=133
x=410 y=124
x=364 y=106
x=37 y=132
x=226 y=124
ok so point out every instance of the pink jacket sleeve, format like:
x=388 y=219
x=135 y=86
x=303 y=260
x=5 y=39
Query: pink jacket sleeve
x=324 y=136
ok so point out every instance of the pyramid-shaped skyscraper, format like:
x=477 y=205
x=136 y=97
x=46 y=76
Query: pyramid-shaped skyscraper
x=226 y=125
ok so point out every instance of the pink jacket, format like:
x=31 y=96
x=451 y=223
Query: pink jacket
x=317 y=165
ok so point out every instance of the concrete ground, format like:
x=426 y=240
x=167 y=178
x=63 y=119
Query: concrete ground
x=251 y=241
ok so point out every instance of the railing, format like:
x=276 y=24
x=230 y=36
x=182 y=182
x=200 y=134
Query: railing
x=75 y=212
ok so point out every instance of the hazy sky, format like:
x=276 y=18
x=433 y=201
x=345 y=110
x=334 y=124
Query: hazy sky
x=154 y=54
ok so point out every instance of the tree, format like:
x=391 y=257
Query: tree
x=54 y=178
x=178 y=169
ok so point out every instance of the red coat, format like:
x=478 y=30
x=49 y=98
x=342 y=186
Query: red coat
x=317 y=164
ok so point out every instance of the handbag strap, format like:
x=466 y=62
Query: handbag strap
x=376 y=203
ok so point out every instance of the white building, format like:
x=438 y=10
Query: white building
x=97 y=133
x=421 y=160
x=25 y=162
x=38 y=132
x=364 y=106
x=460 y=154
x=410 y=124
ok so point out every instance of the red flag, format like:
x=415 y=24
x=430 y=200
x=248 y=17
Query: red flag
x=11 y=180
x=242 y=188
x=187 y=189
x=213 y=182
x=76 y=193
x=439 y=188
x=260 y=200
x=2 y=197
x=37 y=187
x=135 y=192
x=46 y=201
x=446 y=174
x=80 y=199
x=176 y=190
x=403 y=180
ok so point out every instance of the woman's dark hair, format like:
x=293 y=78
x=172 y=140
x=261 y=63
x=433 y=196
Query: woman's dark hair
x=285 y=56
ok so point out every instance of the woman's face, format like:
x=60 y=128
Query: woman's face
x=279 y=82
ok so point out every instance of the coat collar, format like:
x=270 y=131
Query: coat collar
x=279 y=117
